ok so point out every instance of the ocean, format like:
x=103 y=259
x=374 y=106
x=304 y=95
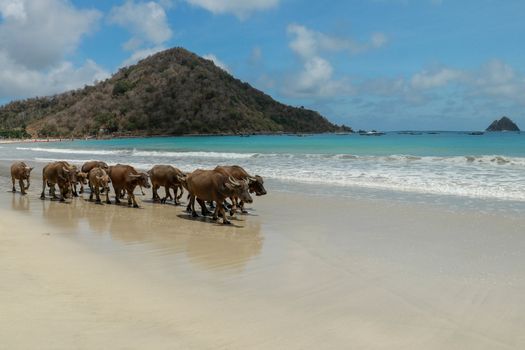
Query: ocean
x=451 y=168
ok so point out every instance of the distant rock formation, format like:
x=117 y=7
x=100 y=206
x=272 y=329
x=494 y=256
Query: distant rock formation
x=504 y=124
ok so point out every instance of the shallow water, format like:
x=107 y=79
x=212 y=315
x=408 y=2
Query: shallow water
x=448 y=167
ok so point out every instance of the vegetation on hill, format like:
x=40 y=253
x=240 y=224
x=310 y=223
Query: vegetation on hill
x=173 y=92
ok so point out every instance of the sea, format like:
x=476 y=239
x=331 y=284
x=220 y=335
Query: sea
x=454 y=169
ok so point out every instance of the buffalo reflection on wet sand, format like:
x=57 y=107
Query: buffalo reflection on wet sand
x=158 y=229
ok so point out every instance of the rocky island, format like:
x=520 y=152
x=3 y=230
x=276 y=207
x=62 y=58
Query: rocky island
x=174 y=92
x=504 y=124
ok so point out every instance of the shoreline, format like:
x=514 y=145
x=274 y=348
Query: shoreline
x=298 y=272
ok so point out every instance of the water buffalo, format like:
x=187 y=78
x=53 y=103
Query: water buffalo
x=75 y=176
x=87 y=166
x=98 y=179
x=80 y=178
x=167 y=176
x=59 y=173
x=126 y=178
x=210 y=185
x=255 y=183
x=20 y=171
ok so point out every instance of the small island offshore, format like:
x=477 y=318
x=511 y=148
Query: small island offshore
x=503 y=124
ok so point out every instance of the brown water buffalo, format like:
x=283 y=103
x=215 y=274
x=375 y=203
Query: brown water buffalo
x=20 y=171
x=59 y=173
x=75 y=176
x=210 y=185
x=98 y=179
x=80 y=178
x=167 y=176
x=87 y=166
x=255 y=183
x=125 y=177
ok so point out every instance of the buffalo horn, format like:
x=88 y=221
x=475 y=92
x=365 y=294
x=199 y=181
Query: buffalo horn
x=233 y=181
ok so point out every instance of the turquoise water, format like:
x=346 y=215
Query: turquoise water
x=442 y=144
x=454 y=164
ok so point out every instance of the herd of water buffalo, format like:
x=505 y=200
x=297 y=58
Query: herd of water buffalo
x=212 y=186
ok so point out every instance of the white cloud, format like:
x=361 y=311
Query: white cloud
x=217 y=62
x=441 y=77
x=308 y=43
x=147 y=21
x=36 y=37
x=240 y=8
x=18 y=81
x=38 y=34
x=316 y=79
x=141 y=54
x=256 y=55
x=13 y=8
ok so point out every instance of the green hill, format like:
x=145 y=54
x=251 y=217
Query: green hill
x=174 y=92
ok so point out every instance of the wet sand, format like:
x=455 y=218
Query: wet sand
x=299 y=272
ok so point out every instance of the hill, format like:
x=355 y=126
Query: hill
x=174 y=92
x=504 y=124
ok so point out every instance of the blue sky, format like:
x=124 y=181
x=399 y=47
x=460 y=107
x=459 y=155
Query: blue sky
x=383 y=64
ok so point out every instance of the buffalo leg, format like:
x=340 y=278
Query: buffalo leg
x=22 y=187
x=107 y=195
x=13 y=180
x=97 y=194
x=233 y=208
x=192 y=206
x=204 y=209
x=222 y=212
x=91 y=191
x=166 y=195
x=155 y=196
x=241 y=205
x=62 y=194
x=131 y=197
x=176 y=198
x=43 y=194
x=117 y=194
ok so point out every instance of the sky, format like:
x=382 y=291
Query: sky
x=370 y=64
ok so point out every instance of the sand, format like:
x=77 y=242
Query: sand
x=299 y=272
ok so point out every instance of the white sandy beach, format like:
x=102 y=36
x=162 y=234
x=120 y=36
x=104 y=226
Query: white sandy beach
x=300 y=272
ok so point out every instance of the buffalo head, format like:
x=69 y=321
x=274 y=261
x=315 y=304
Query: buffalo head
x=240 y=188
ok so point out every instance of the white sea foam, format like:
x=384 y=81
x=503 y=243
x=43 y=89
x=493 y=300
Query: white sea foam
x=73 y=151
x=162 y=154
x=480 y=176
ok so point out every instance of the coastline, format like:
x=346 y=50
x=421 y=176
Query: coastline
x=38 y=140
x=299 y=271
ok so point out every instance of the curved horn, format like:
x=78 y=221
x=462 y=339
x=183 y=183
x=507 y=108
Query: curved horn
x=233 y=181
x=66 y=170
x=252 y=178
x=135 y=176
